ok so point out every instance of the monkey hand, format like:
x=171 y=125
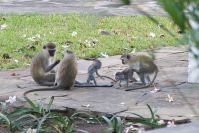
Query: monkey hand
x=52 y=71
x=57 y=62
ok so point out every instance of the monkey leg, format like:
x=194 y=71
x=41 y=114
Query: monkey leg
x=90 y=78
x=147 y=78
x=142 y=79
x=50 y=77
x=47 y=80
x=95 y=83
x=120 y=83
x=127 y=83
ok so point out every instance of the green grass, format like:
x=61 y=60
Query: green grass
x=127 y=33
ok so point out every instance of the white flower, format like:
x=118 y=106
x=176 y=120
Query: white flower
x=133 y=51
x=160 y=122
x=74 y=33
x=16 y=61
x=31 y=130
x=171 y=124
x=152 y=34
x=104 y=54
x=64 y=46
x=169 y=98
x=155 y=90
x=37 y=36
x=11 y=99
x=133 y=129
x=31 y=39
x=3 y=26
x=34 y=38
x=52 y=33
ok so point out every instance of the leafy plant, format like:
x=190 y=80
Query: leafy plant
x=152 y=122
x=115 y=124
x=40 y=119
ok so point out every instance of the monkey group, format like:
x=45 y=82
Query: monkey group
x=65 y=76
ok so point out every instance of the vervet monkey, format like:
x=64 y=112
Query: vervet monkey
x=66 y=74
x=125 y=75
x=40 y=68
x=143 y=66
x=93 y=68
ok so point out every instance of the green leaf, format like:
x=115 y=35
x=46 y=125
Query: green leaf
x=138 y=115
x=152 y=113
x=108 y=121
x=5 y=118
x=175 y=9
x=50 y=103
x=42 y=121
x=127 y=2
x=19 y=112
x=33 y=106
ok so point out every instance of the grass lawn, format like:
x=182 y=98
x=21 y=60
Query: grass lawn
x=23 y=36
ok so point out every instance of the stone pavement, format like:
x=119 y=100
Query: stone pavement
x=171 y=79
x=97 y=7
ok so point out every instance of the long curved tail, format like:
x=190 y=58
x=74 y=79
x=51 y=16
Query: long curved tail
x=42 y=89
x=87 y=85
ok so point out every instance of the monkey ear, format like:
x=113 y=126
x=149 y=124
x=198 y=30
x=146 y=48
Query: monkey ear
x=128 y=56
x=44 y=47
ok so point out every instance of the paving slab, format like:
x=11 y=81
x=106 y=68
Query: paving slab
x=187 y=128
x=96 y=7
x=171 y=80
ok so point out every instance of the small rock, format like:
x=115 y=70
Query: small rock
x=13 y=74
x=103 y=32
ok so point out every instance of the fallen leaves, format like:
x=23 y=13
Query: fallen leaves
x=103 y=32
x=104 y=54
x=155 y=90
x=3 y=26
x=74 y=33
x=152 y=34
x=169 y=98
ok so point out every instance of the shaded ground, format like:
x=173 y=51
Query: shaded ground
x=98 y=7
x=172 y=77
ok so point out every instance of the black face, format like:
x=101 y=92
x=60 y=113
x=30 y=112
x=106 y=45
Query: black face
x=51 y=52
x=122 y=61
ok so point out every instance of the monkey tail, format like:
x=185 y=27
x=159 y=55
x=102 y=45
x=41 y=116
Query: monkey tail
x=148 y=85
x=109 y=78
x=94 y=85
x=42 y=89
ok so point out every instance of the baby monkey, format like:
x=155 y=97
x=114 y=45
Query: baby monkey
x=125 y=75
x=93 y=68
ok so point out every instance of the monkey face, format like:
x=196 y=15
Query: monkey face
x=51 y=52
x=124 y=59
x=50 y=47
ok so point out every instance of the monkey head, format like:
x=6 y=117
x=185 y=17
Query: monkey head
x=125 y=58
x=97 y=63
x=67 y=53
x=50 y=49
x=119 y=76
